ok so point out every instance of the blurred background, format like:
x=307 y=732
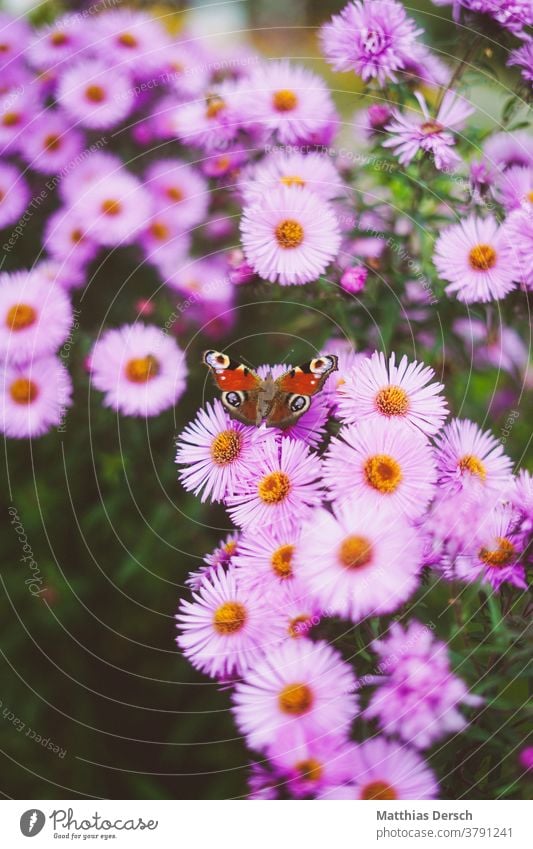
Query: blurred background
x=89 y=664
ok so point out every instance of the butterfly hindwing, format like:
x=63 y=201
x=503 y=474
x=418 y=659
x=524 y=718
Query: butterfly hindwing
x=286 y=408
x=242 y=405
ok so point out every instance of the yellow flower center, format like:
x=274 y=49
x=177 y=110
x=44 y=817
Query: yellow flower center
x=282 y=561
x=383 y=473
x=174 y=193
x=58 y=39
x=355 y=552
x=274 y=488
x=310 y=770
x=76 y=236
x=430 y=127
x=11 y=119
x=23 y=391
x=159 y=231
x=295 y=699
x=292 y=181
x=299 y=626
x=111 y=207
x=501 y=556
x=284 y=100
x=226 y=447
x=230 y=548
x=215 y=105
x=52 y=142
x=473 y=465
x=378 y=790
x=392 y=401
x=126 y=39
x=142 y=369
x=95 y=93
x=21 y=316
x=289 y=233
x=529 y=196
x=230 y=617
x=482 y=257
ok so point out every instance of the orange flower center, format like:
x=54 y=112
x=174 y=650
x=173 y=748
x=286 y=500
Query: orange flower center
x=310 y=770
x=23 y=391
x=473 y=465
x=174 y=193
x=355 y=552
x=274 y=488
x=230 y=617
x=95 y=93
x=282 y=561
x=482 y=257
x=501 y=556
x=11 y=119
x=159 y=231
x=21 y=316
x=58 y=39
x=76 y=236
x=284 y=100
x=530 y=196
x=392 y=401
x=226 y=447
x=142 y=369
x=215 y=105
x=111 y=207
x=295 y=699
x=289 y=233
x=52 y=142
x=299 y=626
x=383 y=473
x=292 y=181
x=430 y=127
x=126 y=39
x=378 y=790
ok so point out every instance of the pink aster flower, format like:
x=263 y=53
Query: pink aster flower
x=514 y=188
x=17 y=110
x=35 y=318
x=290 y=236
x=221 y=557
x=115 y=209
x=313 y=170
x=374 y=39
x=92 y=169
x=520 y=496
x=133 y=39
x=306 y=768
x=348 y=358
x=34 y=397
x=418 y=695
x=301 y=690
x=525 y=758
x=288 y=100
x=359 y=562
x=14 y=193
x=281 y=487
x=95 y=95
x=503 y=150
x=217 y=452
x=499 y=346
x=495 y=553
x=471 y=460
x=51 y=143
x=518 y=229
x=65 y=237
x=353 y=279
x=384 y=462
x=412 y=132
x=523 y=58
x=68 y=275
x=177 y=185
x=55 y=43
x=474 y=256
x=265 y=559
x=163 y=240
x=211 y=122
x=14 y=36
x=405 y=392
x=225 y=630
x=140 y=369
x=384 y=770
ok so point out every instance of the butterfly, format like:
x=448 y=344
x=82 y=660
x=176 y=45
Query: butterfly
x=281 y=402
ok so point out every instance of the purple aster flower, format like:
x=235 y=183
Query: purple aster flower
x=34 y=397
x=301 y=690
x=177 y=185
x=65 y=274
x=358 y=562
x=384 y=770
x=65 y=237
x=203 y=283
x=521 y=497
x=348 y=359
x=498 y=347
x=495 y=554
x=210 y=122
x=221 y=557
x=263 y=785
x=14 y=36
x=502 y=150
x=35 y=318
x=290 y=236
x=411 y=133
x=226 y=630
x=55 y=43
x=265 y=559
x=374 y=39
x=14 y=193
x=17 y=110
x=518 y=233
x=95 y=95
x=353 y=279
x=475 y=257
x=384 y=462
x=93 y=168
x=406 y=392
x=313 y=170
x=514 y=188
x=163 y=240
x=471 y=460
x=417 y=694
x=115 y=209
x=217 y=453
x=523 y=57
x=525 y=758
x=306 y=768
x=140 y=369
x=133 y=39
x=447 y=529
x=51 y=143
x=289 y=101
x=281 y=487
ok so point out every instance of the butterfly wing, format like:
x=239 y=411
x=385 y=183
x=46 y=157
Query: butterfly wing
x=295 y=388
x=239 y=386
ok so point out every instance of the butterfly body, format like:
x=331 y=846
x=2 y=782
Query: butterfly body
x=278 y=402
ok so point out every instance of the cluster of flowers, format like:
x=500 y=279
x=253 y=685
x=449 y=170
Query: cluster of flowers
x=344 y=526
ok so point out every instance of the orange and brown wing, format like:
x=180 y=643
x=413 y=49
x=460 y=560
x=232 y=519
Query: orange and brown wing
x=230 y=375
x=286 y=408
x=309 y=378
